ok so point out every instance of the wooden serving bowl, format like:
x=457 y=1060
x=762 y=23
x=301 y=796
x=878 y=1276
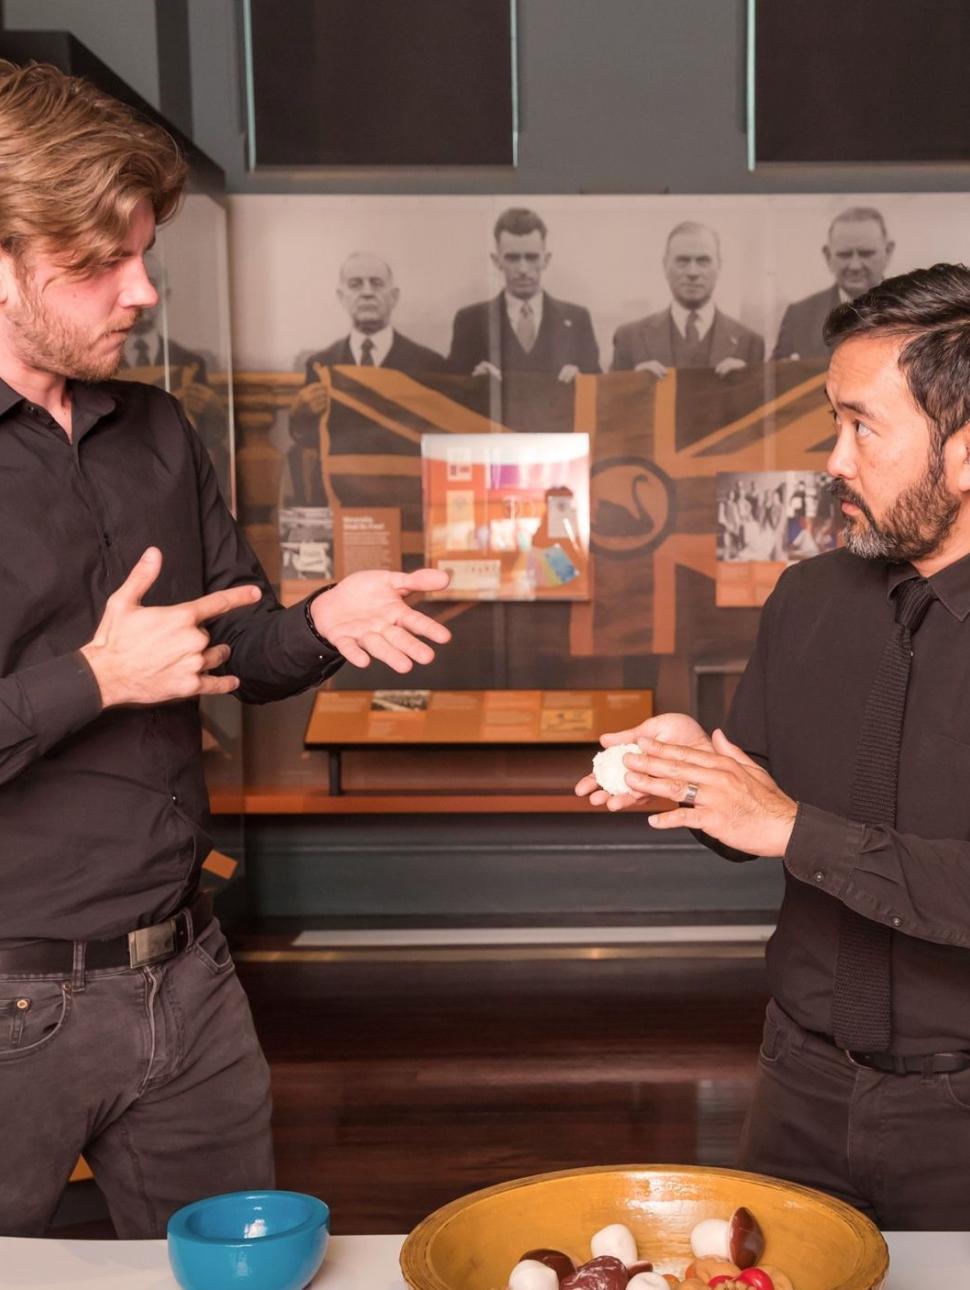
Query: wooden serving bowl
x=473 y=1243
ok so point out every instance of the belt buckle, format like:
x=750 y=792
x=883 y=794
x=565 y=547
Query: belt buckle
x=859 y=1065
x=150 y=945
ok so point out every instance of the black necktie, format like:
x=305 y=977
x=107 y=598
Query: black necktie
x=367 y=352
x=862 y=993
x=141 y=352
x=692 y=333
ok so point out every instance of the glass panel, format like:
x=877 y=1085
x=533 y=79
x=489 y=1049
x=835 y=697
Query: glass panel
x=183 y=345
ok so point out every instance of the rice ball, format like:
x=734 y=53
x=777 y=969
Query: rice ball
x=609 y=771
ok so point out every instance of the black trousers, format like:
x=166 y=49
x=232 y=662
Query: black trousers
x=154 y=1073
x=897 y=1147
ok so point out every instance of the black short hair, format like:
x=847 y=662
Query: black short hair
x=519 y=221
x=928 y=309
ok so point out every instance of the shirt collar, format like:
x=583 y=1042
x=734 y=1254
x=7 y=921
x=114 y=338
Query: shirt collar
x=951 y=585
x=513 y=307
x=8 y=398
x=705 y=317
x=381 y=340
x=90 y=403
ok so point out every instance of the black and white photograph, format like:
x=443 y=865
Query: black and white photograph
x=775 y=516
x=613 y=280
x=400 y=700
x=306 y=543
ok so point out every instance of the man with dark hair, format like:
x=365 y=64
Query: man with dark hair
x=691 y=331
x=128 y=593
x=847 y=754
x=523 y=329
x=857 y=252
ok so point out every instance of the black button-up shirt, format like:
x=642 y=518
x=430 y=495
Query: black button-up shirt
x=798 y=711
x=104 y=813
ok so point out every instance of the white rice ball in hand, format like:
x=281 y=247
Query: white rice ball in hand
x=609 y=771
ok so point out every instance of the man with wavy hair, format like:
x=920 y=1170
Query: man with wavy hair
x=128 y=592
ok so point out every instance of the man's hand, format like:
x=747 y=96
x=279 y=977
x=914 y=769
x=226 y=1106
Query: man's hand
x=736 y=801
x=484 y=368
x=312 y=398
x=727 y=365
x=147 y=655
x=198 y=399
x=668 y=727
x=568 y=373
x=365 y=616
x=652 y=365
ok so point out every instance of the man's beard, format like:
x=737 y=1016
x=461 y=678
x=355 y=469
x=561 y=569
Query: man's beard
x=54 y=344
x=915 y=525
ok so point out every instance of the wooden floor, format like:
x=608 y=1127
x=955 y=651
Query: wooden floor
x=400 y=1085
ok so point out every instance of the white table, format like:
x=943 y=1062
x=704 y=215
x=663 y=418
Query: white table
x=371 y=1263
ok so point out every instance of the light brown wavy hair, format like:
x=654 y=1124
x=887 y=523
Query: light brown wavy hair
x=74 y=164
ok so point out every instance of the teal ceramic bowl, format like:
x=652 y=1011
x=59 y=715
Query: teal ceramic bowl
x=249 y=1240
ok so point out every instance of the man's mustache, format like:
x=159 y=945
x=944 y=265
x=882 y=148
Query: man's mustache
x=841 y=490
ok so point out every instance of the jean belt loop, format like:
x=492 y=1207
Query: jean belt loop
x=189 y=927
x=78 y=980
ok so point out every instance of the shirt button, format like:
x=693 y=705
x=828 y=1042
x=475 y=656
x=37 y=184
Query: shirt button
x=819 y=875
x=174 y=799
x=896 y=921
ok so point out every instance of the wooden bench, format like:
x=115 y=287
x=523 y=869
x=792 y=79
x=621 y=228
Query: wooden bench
x=464 y=720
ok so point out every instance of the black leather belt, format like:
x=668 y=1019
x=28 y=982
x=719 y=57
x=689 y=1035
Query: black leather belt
x=930 y=1064
x=140 y=948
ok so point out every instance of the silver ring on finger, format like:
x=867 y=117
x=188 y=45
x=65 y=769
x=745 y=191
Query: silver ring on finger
x=690 y=797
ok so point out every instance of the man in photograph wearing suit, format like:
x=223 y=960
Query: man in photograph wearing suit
x=523 y=329
x=692 y=331
x=857 y=253
x=145 y=346
x=368 y=293
x=148 y=354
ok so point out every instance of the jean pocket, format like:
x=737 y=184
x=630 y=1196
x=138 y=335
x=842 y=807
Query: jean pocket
x=212 y=950
x=774 y=1041
x=31 y=1016
x=957 y=1088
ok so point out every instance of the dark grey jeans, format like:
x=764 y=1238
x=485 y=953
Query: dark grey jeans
x=154 y=1073
x=896 y=1147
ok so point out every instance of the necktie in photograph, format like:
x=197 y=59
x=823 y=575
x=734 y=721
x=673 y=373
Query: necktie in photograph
x=525 y=328
x=141 y=352
x=367 y=353
x=692 y=332
x=862 y=993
